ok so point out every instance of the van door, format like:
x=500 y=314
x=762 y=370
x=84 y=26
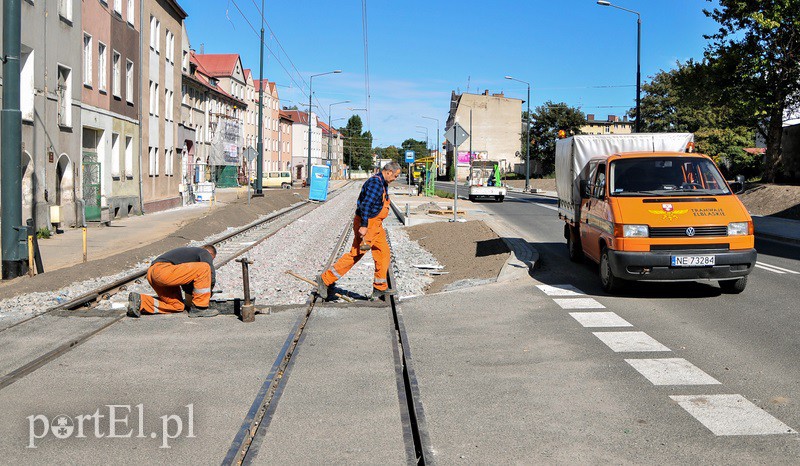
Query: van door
x=595 y=211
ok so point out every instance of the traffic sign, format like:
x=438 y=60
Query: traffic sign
x=456 y=135
x=410 y=156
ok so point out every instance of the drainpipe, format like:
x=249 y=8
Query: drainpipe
x=141 y=126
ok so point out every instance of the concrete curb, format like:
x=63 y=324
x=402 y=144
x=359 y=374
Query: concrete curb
x=398 y=213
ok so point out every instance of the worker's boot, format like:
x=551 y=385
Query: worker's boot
x=382 y=294
x=134 y=304
x=207 y=312
x=322 y=288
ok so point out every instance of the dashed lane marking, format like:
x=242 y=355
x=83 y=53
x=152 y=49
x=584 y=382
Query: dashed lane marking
x=731 y=415
x=775 y=268
x=630 y=342
x=600 y=319
x=560 y=290
x=671 y=371
x=578 y=303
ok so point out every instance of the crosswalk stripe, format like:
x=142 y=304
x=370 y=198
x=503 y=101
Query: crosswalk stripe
x=671 y=371
x=600 y=319
x=630 y=342
x=775 y=268
x=731 y=415
x=559 y=290
x=578 y=303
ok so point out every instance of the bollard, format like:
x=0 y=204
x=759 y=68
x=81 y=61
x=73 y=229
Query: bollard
x=248 y=310
x=84 y=244
x=30 y=255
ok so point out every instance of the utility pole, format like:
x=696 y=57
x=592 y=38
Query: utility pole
x=260 y=145
x=14 y=252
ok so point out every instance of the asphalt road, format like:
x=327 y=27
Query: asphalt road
x=747 y=342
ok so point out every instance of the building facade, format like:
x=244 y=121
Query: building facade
x=110 y=109
x=50 y=83
x=285 y=129
x=613 y=125
x=333 y=150
x=300 y=129
x=161 y=39
x=494 y=124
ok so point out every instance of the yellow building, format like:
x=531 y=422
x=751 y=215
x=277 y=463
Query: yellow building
x=613 y=125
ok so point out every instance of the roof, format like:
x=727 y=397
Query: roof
x=221 y=64
x=174 y=4
x=247 y=74
x=296 y=116
x=327 y=130
x=284 y=114
x=201 y=76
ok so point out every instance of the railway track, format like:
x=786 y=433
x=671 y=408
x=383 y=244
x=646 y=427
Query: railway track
x=229 y=246
x=248 y=440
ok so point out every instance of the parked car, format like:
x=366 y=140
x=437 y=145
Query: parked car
x=277 y=179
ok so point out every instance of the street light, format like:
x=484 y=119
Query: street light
x=311 y=94
x=426 y=136
x=330 y=128
x=528 y=137
x=638 y=124
x=438 y=147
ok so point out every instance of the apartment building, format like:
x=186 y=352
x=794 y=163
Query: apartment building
x=110 y=109
x=299 y=146
x=612 y=125
x=333 y=149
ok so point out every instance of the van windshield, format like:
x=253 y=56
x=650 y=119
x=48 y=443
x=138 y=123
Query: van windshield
x=651 y=176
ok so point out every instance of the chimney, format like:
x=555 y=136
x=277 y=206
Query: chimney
x=590 y=117
x=625 y=118
x=486 y=92
x=498 y=95
x=612 y=118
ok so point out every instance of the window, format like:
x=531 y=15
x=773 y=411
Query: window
x=599 y=188
x=170 y=52
x=26 y=89
x=129 y=157
x=87 y=60
x=153 y=168
x=116 y=77
x=64 y=96
x=153 y=98
x=185 y=61
x=65 y=9
x=168 y=105
x=101 y=67
x=131 y=12
x=168 y=162
x=155 y=34
x=129 y=81
x=118 y=7
x=115 y=155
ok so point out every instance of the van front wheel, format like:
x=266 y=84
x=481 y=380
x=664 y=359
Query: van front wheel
x=608 y=280
x=286 y=186
x=733 y=286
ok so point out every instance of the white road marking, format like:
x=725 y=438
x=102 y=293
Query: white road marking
x=775 y=268
x=630 y=342
x=671 y=371
x=559 y=290
x=578 y=303
x=731 y=415
x=600 y=319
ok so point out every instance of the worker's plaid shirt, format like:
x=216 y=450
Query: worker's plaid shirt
x=370 y=201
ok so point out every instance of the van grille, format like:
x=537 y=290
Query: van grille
x=690 y=247
x=680 y=232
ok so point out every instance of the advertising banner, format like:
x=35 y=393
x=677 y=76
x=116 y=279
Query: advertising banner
x=226 y=143
x=465 y=158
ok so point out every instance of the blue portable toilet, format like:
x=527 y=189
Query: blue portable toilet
x=320 y=174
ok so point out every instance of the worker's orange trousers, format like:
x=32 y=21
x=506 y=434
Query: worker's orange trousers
x=167 y=279
x=376 y=237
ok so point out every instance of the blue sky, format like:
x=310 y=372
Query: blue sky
x=421 y=50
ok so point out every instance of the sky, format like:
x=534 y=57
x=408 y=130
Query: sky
x=572 y=51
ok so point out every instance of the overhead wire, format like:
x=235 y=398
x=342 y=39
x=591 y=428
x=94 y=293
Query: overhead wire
x=365 y=28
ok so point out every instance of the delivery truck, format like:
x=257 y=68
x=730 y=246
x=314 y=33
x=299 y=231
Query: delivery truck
x=645 y=208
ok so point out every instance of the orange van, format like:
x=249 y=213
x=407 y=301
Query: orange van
x=660 y=216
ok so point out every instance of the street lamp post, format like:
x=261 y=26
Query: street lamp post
x=311 y=94
x=330 y=129
x=438 y=147
x=638 y=123
x=528 y=136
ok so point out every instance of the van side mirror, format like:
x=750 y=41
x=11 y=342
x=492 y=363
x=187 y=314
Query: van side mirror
x=737 y=187
x=584 y=189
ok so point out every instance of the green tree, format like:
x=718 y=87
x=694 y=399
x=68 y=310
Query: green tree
x=756 y=53
x=357 y=145
x=391 y=152
x=546 y=121
x=419 y=148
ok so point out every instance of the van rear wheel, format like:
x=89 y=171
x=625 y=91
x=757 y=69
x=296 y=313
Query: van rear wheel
x=574 y=248
x=286 y=186
x=610 y=282
x=733 y=286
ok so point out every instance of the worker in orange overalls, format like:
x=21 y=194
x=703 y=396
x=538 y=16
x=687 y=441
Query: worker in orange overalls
x=189 y=269
x=368 y=234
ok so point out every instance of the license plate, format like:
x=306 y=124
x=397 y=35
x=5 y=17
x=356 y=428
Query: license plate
x=693 y=261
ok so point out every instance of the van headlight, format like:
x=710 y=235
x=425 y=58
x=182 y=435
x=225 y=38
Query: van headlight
x=635 y=231
x=738 y=229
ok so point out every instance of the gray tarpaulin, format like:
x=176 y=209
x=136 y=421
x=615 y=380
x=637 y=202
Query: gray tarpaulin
x=226 y=144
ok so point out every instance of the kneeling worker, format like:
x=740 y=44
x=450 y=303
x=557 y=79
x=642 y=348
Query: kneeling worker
x=371 y=209
x=188 y=268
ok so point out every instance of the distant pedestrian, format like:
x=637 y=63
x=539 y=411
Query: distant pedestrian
x=368 y=234
x=189 y=269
